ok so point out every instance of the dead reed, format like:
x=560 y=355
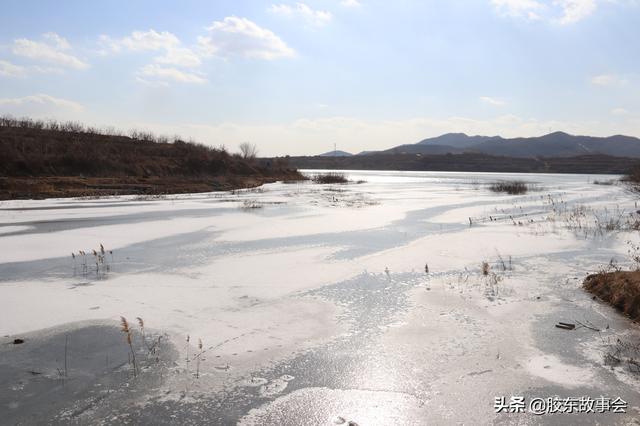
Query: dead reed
x=620 y=289
x=100 y=260
x=198 y=358
x=127 y=331
x=485 y=268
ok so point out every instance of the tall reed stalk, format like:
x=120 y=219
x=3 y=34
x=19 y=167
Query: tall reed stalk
x=127 y=331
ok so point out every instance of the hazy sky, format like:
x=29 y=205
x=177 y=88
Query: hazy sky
x=297 y=77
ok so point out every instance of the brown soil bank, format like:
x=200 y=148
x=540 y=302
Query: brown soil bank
x=49 y=159
x=73 y=186
x=620 y=289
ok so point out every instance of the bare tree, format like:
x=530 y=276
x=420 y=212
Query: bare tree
x=248 y=150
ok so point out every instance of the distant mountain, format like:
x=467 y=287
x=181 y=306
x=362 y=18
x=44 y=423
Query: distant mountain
x=337 y=153
x=458 y=140
x=558 y=144
x=420 y=149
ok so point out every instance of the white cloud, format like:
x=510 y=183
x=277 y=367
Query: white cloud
x=350 y=3
x=108 y=45
x=564 y=12
x=150 y=40
x=174 y=54
x=235 y=36
x=492 y=101
x=575 y=10
x=619 y=112
x=518 y=8
x=151 y=83
x=153 y=41
x=53 y=50
x=180 y=56
x=59 y=42
x=606 y=80
x=300 y=10
x=7 y=69
x=45 y=70
x=36 y=104
x=231 y=37
x=160 y=74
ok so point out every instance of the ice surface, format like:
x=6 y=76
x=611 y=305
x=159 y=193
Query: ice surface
x=313 y=299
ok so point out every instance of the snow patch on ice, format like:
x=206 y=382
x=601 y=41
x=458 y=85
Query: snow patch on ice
x=552 y=369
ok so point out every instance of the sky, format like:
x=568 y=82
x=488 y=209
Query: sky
x=295 y=78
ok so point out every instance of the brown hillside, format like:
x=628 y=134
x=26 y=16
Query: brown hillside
x=39 y=159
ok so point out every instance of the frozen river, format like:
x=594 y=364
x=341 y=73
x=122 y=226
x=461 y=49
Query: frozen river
x=314 y=305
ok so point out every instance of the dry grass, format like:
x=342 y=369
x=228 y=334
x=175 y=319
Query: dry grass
x=251 y=205
x=604 y=182
x=330 y=178
x=633 y=177
x=51 y=159
x=513 y=187
x=620 y=289
x=485 y=268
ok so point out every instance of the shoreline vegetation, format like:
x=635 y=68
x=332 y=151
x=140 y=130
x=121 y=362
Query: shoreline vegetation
x=47 y=159
x=470 y=162
x=618 y=288
x=512 y=187
x=331 y=177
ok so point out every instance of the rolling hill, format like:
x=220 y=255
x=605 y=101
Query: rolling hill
x=557 y=144
x=50 y=159
x=336 y=153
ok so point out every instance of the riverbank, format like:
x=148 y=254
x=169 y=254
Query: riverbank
x=469 y=162
x=14 y=188
x=620 y=289
x=41 y=159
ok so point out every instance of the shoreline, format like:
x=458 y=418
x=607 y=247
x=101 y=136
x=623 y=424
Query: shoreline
x=469 y=162
x=38 y=188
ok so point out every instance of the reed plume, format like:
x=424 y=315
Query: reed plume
x=141 y=324
x=127 y=331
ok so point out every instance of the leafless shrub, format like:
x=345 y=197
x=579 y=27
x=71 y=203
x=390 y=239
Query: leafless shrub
x=634 y=253
x=331 y=177
x=514 y=187
x=248 y=151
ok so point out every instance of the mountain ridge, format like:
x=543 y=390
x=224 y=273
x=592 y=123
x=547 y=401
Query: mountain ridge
x=555 y=144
